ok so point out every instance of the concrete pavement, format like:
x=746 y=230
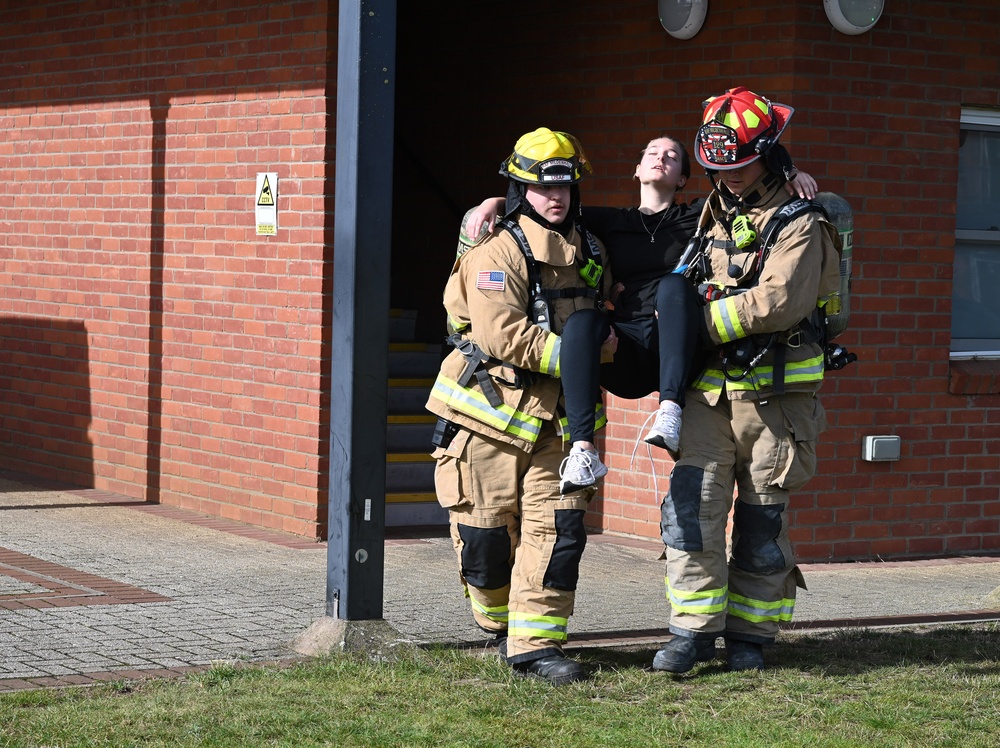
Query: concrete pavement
x=94 y=586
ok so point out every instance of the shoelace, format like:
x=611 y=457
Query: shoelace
x=587 y=459
x=649 y=451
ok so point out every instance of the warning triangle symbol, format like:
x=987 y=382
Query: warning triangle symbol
x=265 y=197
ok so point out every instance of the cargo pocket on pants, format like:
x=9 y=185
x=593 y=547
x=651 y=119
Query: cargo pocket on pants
x=450 y=485
x=804 y=420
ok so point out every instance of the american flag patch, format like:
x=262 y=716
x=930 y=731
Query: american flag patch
x=491 y=280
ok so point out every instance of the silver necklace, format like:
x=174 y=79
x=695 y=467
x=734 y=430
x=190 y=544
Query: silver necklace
x=652 y=234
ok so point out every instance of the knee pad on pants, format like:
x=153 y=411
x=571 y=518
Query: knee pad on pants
x=756 y=531
x=679 y=524
x=563 y=571
x=485 y=556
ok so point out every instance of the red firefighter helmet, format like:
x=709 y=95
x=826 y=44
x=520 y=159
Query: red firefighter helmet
x=738 y=127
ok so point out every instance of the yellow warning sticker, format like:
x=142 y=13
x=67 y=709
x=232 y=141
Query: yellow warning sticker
x=265 y=197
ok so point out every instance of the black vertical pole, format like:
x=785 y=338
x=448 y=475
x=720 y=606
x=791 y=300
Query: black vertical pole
x=366 y=61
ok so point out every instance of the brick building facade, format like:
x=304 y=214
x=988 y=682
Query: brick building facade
x=152 y=344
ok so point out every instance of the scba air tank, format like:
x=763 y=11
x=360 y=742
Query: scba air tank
x=838 y=305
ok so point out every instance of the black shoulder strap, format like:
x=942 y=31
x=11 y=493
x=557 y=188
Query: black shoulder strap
x=534 y=273
x=793 y=208
x=769 y=236
x=591 y=243
x=781 y=218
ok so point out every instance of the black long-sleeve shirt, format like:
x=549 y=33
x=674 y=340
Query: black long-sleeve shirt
x=634 y=260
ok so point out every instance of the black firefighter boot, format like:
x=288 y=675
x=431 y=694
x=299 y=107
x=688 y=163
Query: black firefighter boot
x=744 y=655
x=681 y=653
x=556 y=669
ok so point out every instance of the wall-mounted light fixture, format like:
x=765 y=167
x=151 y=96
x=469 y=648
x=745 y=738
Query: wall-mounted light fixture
x=682 y=18
x=853 y=16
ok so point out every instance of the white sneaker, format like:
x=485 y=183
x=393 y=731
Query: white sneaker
x=666 y=430
x=580 y=469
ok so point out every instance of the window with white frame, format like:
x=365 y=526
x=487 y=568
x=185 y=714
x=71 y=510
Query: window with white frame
x=975 y=315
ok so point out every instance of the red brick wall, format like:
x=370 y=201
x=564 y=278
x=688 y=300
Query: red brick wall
x=153 y=344
x=877 y=122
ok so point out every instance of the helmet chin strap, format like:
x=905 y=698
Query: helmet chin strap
x=562 y=228
x=516 y=202
x=751 y=199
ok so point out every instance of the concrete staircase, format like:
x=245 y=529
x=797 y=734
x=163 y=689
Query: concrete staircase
x=409 y=469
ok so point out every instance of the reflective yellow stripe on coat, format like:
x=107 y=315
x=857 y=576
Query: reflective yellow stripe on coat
x=600 y=421
x=475 y=405
x=810 y=370
x=711 y=380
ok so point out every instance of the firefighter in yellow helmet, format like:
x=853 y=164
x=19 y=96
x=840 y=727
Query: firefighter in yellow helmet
x=499 y=441
x=752 y=416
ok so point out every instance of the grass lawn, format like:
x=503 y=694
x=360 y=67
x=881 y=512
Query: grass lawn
x=932 y=686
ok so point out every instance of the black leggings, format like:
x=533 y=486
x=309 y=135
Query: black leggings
x=652 y=355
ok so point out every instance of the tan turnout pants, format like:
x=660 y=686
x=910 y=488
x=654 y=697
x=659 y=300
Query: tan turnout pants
x=762 y=452
x=518 y=541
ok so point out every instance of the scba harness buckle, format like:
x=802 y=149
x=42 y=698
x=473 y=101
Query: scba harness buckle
x=743 y=355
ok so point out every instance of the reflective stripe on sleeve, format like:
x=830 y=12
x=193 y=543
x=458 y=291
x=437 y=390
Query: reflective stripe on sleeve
x=725 y=320
x=456 y=324
x=550 y=355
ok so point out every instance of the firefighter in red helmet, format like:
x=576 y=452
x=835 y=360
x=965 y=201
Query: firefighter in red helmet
x=752 y=416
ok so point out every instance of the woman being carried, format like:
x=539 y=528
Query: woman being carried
x=654 y=317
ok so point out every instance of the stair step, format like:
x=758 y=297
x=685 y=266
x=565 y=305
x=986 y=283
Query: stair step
x=402 y=325
x=424 y=417
x=413 y=360
x=409 y=476
x=408 y=396
x=415 y=514
x=404 y=382
x=409 y=436
x=404 y=497
x=402 y=457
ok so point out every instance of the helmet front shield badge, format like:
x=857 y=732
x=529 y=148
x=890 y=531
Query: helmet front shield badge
x=556 y=171
x=718 y=144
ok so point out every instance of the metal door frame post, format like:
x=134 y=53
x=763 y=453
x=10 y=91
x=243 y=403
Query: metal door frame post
x=366 y=59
